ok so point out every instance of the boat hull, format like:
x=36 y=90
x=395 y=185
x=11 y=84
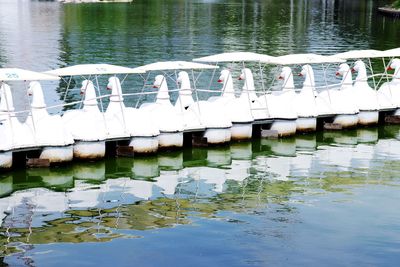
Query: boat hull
x=284 y=127
x=306 y=125
x=368 y=117
x=144 y=145
x=170 y=140
x=57 y=154
x=241 y=131
x=346 y=120
x=89 y=149
x=6 y=159
x=217 y=136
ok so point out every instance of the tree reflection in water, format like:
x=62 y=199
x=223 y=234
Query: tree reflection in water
x=120 y=198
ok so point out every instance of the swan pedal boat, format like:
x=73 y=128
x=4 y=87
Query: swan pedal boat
x=197 y=117
x=267 y=109
x=92 y=128
x=34 y=132
x=386 y=95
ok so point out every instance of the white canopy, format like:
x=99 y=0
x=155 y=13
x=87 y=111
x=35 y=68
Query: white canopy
x=305 y=59
x=14 y=74
x=391 y=53
x=359 y=54
x=177 y=65
x=94 y=69
x=236 y=57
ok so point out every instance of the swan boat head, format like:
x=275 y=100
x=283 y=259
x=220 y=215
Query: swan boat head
x=395 y=65
x=248 y=87
x=345 y=71
x=160 y=82
x=287 y=77
x=114 y=85
x=360 y=68
x=88 y=90
x=226 y=79
x=308 y=72
x=35 y=90
x=185 y=98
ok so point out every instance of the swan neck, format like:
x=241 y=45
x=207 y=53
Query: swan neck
x=248 y=83
x=38 y=99
x=6 y=103
x=288 y=83
x=362 y=74
x=116 y=93
x=228 y=87
x=185 y=88
x=90 y=97
x=309 y=81
x=347 y=79
x=162 y=95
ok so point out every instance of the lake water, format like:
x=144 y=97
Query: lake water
x=324 y=199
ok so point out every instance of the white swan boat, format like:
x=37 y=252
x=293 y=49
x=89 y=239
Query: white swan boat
x=125 y=121
x=267 y=110
x=50 y=131
x=304 y=102
x=309 y=100
x=391 y=89
x=164 y=115
x=7 y=131
x=208 y=113
x=238 y=109
x=15 y=135
x=366 y=98
x=196 y=116
x=89 y=125
x=387 y=100
x=341 y=99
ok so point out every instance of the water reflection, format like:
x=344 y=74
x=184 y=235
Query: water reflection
x=94 y=202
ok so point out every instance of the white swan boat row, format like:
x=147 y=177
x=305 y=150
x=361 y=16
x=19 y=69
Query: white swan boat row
x=231 y=115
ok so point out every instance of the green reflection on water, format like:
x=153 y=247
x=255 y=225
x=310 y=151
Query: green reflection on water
x=252 y=176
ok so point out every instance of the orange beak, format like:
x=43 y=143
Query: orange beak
x=219 y=81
